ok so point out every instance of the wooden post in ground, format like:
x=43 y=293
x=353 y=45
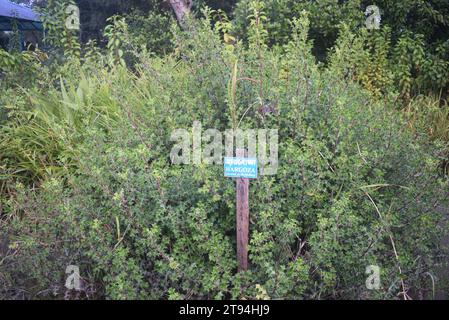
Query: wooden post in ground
x=242 y=194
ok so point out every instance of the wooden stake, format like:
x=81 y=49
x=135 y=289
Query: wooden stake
x=242 y=194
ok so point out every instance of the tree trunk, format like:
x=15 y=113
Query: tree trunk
x=181 y=9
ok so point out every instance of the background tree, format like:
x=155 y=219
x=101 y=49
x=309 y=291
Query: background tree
x=181 y=8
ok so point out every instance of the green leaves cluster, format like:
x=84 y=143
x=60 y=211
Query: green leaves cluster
x=414 y=52
x=352 y=180
x=57 y=35
x=116 y=33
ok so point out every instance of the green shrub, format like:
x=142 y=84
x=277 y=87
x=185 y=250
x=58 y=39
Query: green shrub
x=354 y=187
x=415 y=37
x=152 y=30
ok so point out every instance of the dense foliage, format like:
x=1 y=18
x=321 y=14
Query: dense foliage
x=412 y=38
x=86 y=177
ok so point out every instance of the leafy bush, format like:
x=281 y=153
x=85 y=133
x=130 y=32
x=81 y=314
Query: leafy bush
x=354 y=187
x=52 y=105
x=414 y=32
x=62 y=40
x=20 y=69
x=152 y=30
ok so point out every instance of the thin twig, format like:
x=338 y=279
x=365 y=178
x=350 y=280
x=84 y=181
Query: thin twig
x=392 y=244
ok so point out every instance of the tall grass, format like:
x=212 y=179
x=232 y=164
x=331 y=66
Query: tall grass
x=41 y=140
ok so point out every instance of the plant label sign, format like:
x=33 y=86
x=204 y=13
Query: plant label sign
x=240 y=167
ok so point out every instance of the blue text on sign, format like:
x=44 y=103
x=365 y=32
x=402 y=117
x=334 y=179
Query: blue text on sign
x=240 y=167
